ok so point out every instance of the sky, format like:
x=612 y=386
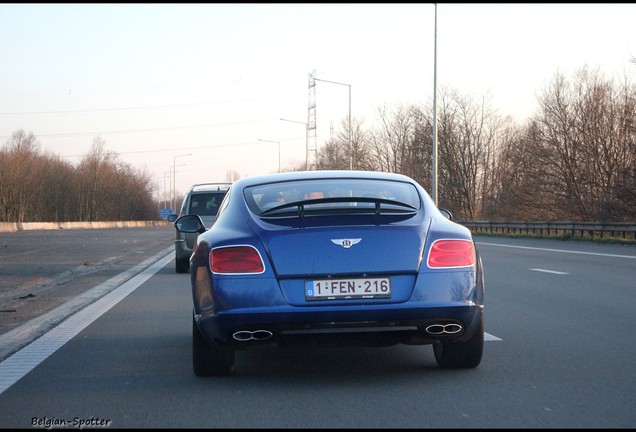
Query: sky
x=189 y=92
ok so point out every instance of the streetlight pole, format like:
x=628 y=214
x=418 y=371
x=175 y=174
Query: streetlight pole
x=306 y=140
x=164 y=201
x=348 y=85
x=174 y=178
x=277 y=142
x=434 y=165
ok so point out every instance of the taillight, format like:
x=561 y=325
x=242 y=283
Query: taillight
x=451 y=253
x=236 y=259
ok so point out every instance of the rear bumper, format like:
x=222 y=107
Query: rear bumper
x=367 y=328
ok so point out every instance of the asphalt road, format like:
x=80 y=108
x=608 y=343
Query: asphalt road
x=559 y=354
x=44 y=269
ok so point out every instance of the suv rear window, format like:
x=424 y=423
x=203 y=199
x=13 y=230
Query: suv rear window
x=205 y=204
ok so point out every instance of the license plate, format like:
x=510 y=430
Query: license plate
x=346 y=289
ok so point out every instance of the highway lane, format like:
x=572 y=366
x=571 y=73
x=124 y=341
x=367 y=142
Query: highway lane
x=43 y=270
x=564 y=358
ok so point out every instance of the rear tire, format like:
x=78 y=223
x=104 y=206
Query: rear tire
x=207 y=359
x=461 y=355
x=181 y=266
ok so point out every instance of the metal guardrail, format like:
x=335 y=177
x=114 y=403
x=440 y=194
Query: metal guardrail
x=626 y=230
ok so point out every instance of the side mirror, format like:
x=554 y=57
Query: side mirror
x=190 y=224
x=447 y=214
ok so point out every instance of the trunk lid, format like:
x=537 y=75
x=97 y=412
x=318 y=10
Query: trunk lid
x=344 y=250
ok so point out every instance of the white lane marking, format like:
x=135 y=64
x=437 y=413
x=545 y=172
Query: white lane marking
x=550 y=271
x=489 y=337
x=23 y=361
x=560 y=250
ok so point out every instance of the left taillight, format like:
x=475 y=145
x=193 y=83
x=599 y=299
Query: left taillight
x=236 y=259
x=448 y=253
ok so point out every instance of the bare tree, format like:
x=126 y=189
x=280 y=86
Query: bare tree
x=295 y=165
x=90 y=171
x=467 y=133
x=55 y=198
x=516 y=178
x=418 y=157
x=19 y=169
x=584 y=142
x=42 y=187
x=391 y=140
x=231 y=176
x=335 y=153
x=332 y=155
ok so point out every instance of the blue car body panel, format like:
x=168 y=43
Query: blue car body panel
x=296 y=250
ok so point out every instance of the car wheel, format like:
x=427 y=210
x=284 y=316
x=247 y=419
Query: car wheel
x=209 y=360
x=181 y=266
x=461 y=355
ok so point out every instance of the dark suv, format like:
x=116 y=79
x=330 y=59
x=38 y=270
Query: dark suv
x=202 y=199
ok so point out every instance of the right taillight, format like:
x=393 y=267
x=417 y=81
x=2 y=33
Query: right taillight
x=236 y=259
x=448 y=253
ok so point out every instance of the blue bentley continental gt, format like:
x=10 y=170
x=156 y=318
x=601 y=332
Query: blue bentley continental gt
x=333 y=258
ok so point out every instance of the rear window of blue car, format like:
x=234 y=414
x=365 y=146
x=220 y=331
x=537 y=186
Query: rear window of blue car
x=350 y=192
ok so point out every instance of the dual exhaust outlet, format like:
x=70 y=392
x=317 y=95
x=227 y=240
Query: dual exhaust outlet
x=440 y=329
x=261 y=335
x=250 y=335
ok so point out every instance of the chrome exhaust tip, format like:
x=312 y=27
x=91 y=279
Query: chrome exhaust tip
x=440 y=329
x=248 y=335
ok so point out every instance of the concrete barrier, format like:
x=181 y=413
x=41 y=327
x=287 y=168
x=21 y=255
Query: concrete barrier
x=28 y=226
x=8 y=227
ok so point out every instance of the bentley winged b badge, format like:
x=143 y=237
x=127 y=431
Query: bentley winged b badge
x=346 y=243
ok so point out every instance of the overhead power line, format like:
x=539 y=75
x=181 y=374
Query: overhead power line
x=140 y=108
x=116 y=132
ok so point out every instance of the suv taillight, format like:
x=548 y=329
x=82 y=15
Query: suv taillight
x=236 y=259
x=451 y=253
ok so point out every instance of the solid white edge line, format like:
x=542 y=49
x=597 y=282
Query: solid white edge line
x=23 y=361
x=559 y=250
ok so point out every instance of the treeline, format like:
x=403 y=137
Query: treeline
x=574 y=160
x=41 y=187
